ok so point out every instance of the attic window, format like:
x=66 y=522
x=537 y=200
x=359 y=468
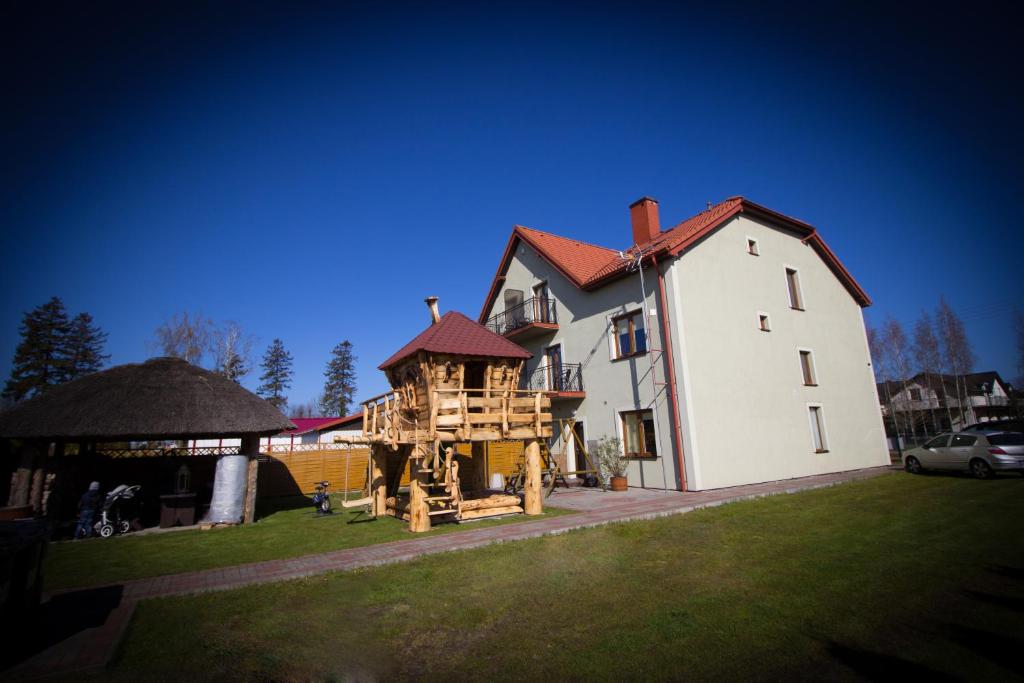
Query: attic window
x=752 y=247
x=763 y=323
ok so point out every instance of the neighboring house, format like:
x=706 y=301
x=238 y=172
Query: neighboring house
x=929 y=403
x=743 y=360
x=309 y=430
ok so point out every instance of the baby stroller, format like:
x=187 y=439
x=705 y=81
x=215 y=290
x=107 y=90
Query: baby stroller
x=113 y=515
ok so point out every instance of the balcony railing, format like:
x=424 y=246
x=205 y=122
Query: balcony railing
x=531 y=311
x=560 y=377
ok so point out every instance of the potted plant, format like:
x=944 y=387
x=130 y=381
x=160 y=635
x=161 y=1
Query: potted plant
x=613 y=463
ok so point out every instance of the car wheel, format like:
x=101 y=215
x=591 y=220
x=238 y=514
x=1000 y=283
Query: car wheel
x=980 y=469
x=912 y=465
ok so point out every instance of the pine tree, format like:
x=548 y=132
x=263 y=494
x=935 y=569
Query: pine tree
x=84 y=347
x=340 y=387
x=40 y=360
x=277 y=374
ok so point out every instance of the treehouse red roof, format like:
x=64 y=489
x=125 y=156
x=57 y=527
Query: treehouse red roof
x=589 y=266
x=458 y=335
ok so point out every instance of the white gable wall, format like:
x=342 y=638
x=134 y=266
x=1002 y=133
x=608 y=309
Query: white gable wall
x=741 y=389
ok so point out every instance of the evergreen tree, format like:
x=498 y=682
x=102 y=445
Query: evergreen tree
x=84 y=348
x=340 y=387
x=277 y=374
x=40 y=359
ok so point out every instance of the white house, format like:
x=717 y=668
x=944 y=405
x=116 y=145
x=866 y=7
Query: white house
x=929 y=403
x=729 y=349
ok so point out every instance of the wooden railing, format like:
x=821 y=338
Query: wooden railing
x=458 y=415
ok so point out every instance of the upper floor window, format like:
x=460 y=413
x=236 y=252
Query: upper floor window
x=807 y=367
x=638 y=434
x=796 y=299
x=752 y=247
x=915 y=394
x=630 y=336
x=763 y=322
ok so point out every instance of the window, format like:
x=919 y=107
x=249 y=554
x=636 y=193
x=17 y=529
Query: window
x=962 y=440
x=1008 y=439
x=818 y=429
x=915 y=394
x=764 y=324
x=630 y=338
x=938 y=442
x=807 y=367
x=752 y=247
x=542 y=311
x=638 y=434
x=793 y=281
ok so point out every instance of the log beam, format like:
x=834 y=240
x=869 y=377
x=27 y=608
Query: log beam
x=378 y=478
x=533 y=502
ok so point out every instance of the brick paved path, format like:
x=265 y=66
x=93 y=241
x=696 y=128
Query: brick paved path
x=70 y=656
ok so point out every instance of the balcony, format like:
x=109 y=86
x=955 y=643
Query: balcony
x=533 y=317
x=559 y=381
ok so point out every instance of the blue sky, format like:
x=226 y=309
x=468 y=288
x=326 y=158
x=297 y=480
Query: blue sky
x=313 y=172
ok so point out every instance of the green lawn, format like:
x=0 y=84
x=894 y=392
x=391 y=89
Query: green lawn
x=898 y=576
x=286 y=528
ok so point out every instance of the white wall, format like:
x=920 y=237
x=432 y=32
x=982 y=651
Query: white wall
x=742 y=390
x=585 y=335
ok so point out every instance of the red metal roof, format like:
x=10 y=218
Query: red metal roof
x=457 y=334
x=588 y=266
x=310 y=424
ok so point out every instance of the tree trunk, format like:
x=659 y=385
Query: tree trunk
x=251 y=448
x=378 y=478
x=533 y=504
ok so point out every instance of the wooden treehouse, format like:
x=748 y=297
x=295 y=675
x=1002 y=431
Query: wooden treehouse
x=454 y=385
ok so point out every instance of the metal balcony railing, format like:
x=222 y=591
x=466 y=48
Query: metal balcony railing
x=533 y=310
x=556 y=377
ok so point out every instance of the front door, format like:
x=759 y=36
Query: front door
x=553 y=356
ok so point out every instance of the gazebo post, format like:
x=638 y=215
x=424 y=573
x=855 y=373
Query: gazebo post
x=378 y=478
x=251 y=449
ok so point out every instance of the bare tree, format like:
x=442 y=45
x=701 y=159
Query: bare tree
x=928 y=358
x=1018 y=323
x=308 y=409
x=897 y=351
x=232 y=351
x=956 y=350
x=184 y=336
x=880 y=363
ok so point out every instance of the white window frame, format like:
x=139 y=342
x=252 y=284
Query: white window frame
x=622 y=436
x=767 y=320
x=814 y=366
x=801 y=300
x=823 y=424
x=756 y=245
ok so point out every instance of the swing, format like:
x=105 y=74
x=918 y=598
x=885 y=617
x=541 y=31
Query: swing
x=359 y=502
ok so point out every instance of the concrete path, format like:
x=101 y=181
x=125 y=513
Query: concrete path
x=594 y=508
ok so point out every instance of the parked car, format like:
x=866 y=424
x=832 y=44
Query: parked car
x=1010 y=425
x=980 y=453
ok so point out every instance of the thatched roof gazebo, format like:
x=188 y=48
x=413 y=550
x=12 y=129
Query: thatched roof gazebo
x=160 y=399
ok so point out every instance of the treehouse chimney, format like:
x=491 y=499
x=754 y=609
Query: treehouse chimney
x=435 y=315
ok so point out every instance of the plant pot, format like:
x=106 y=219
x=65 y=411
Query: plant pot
x=619 y=484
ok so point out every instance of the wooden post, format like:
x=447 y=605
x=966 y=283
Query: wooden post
x=419 y=509
x=378 y=478
x=251 y=448
x=21 y=480
x=533 y=505
x=41 y=459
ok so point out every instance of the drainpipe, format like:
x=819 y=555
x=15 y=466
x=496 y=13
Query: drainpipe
x=666 y=342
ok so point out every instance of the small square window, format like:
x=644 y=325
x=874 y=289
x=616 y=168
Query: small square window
x=638 y=434
x=764 y=324
x=752 y=247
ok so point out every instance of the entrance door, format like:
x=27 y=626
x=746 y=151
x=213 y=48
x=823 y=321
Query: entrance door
x=540 y=303
x=514 y=313
x=577 y=448
x=553 y=356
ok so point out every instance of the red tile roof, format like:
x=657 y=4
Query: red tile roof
x=458 y=335
x=588 y=266
x=310 y=424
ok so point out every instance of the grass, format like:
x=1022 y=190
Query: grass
x=286 y=528
x=899 y=575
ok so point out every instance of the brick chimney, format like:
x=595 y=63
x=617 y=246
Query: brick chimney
x=644 y=215
x=435 y=315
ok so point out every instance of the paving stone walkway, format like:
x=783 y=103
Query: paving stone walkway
x=594 y=509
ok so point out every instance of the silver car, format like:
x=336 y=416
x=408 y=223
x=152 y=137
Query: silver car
x=980 y=453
